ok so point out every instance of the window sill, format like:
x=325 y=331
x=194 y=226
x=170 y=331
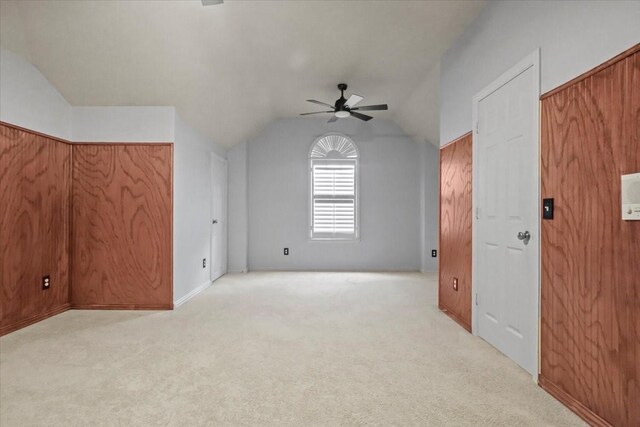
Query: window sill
x=334 y=239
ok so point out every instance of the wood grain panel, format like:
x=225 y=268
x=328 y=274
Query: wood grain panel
x=122 y=226
x=629 y=296
x=590 y=301
x=35 y=177
x=455 y=230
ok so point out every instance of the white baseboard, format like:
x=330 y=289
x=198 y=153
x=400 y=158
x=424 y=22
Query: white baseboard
x=192 y=294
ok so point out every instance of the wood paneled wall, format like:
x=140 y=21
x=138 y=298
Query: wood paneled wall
x=35 y=177
x=455 y=230
x=96 y=218
x=590 y=307
x=122 y=226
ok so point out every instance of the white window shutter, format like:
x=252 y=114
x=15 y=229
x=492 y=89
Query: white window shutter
x=334 y=180
x=334 y=216
x=334 y=199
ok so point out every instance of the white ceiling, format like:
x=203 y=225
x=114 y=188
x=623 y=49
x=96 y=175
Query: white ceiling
x=231 y=69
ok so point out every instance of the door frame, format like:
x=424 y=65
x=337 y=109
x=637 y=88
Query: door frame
x=215 y=158
x=530 y=61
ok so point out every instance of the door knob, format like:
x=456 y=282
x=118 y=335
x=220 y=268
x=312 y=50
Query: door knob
x=524 y=236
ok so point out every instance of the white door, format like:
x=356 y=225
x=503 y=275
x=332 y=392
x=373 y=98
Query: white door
x=218 y=216
x=506 y=226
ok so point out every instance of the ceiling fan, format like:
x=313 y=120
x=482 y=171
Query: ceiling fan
x=344 y=108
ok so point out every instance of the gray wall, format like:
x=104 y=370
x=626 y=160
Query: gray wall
x=238 y=239
x=191 y=209
x=430 y=209
x=574 y=36
x=27 y=99
x=123 y=124
x=278 y=198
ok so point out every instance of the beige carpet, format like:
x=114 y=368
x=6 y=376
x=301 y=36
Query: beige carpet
x=270 y=349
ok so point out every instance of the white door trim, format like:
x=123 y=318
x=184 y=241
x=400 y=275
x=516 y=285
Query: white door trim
x=530 y=61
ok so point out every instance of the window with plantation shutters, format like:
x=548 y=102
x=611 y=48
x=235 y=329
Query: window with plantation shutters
x=334 y=204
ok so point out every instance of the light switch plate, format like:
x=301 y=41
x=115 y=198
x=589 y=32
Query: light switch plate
x=547 y=208
x=631 y=197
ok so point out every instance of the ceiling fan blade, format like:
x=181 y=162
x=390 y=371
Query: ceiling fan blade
x=372 y=107
x=316 y=112
x=353 y=100
x=361 y=116
x=332 y=119
x=321 y=103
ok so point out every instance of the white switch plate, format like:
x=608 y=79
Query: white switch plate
x=631 y=197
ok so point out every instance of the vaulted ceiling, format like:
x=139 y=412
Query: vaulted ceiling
x=230 y=69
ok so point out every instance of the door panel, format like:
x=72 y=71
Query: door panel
x=507 y=193
x=218 y=216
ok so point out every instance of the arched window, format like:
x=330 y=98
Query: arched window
x=334 y=185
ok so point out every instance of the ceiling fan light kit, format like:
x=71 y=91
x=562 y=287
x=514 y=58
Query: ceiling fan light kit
x=344 y=108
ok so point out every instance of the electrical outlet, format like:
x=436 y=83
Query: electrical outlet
x=434 y=253
x=286 y=251
x=455 y=283
x=46 y=282
x=204 y=263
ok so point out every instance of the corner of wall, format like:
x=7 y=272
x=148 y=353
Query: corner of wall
x=238 y=241
x=186 y=134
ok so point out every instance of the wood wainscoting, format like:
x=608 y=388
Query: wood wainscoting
x=35 y=179
x=590 y=301
x=455 y=230
x=96 y=218
x=122 y=222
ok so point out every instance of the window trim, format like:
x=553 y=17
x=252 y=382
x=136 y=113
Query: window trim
x=350 y=238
